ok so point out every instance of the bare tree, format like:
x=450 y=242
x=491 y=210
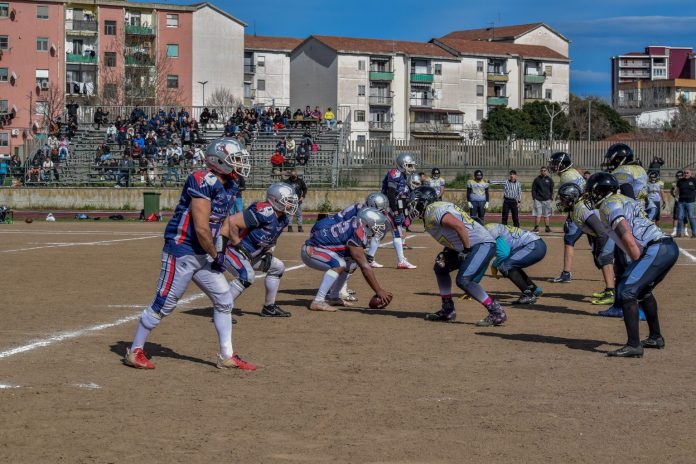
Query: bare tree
x=50 y=105
x=224 y=100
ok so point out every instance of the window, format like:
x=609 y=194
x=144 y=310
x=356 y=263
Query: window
x=360 y=116
x=261 y=61
x=3 y=74
x=361 y=140
x=42 y=44
x=109 y=27
x=172 y=81
x=110 y=59
x=172 y=20
x=42 y=11
x=361 y=65
x=361 y=91
x=42 y=78
x=3 y=106
x=455 y=119
x=41 y=108
x=4 y=139
x=4 y=10
x=4 y=42
x=479 y=115
x=261 y=84
x=109 y=90
x=479 y=91
x=479 y=66
x=173 y=50
x=548 y=70
x=437 y=69
x=548 y=94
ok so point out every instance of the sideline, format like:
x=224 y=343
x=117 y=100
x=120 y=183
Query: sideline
x=687 y=254
x=63 y=245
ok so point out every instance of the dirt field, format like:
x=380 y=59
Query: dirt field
x=355 y=386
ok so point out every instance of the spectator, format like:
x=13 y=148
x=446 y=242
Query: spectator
x=477 y=195
x=230 y=128
x=330 y=119
x=300 y=187
x=17 y=171
x=287 y=115
x=686 y=192
x=512 y=197
x=4 y=170
x=676 y=208
x=277 y=162
x=290 y=147
x=302 y=154
x=542 y=194
x=435 y=181
x=205 y=117
x=47 y=170
x=586 y=175
x=173 y=163
x=656 y=165
x=280 y=146
x=72 y=110
x=317 y=114
x=214 y=116
x=298 y=117
x=100 y=117
x=111 y=133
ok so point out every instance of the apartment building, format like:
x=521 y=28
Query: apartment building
x=659 y=77
x=267 y=70
x=110 y=52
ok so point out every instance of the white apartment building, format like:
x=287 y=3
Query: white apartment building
x=267 y=70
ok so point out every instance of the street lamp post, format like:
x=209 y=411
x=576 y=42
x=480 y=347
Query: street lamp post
x=203 y=84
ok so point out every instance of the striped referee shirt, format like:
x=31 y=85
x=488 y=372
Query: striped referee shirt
x=513 y=190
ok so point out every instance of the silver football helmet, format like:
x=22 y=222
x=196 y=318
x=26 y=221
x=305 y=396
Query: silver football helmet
x=282 y=198
x=378 y=201
x=227 y=155
x=414 y=181
x=406 y=163
x=375 y=222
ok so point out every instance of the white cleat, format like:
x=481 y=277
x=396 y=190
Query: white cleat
x=340 y=302
x=376 y=265
x=405 y=265
x=321 y=306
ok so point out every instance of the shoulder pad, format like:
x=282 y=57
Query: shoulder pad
x=210 y=179
x=264 y=209
x=395 y=173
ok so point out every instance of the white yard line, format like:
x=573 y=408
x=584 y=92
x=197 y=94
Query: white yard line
x=69 y=232
x=688 y=255
x=72 y=244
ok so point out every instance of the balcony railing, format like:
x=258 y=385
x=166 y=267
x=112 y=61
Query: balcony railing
x=381 y=76
x=421 y=102
x=139 y=60
x=534 y=79
x=634 y=63
x=436 y=127
x=623 y=73
x=497 y=101
x=532 y=99
x=139 y=30
x=381 y=125
x=422 y=78
x=497 y=77
x=77 y=25
x=380 y=100
x=82 y=59
x=249 y=68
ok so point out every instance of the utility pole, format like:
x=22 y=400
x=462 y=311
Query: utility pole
x=203 y=84
x=589 y=120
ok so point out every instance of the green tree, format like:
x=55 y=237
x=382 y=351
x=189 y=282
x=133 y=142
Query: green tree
x=503 y=122
x=540 y=120
x=604 y=120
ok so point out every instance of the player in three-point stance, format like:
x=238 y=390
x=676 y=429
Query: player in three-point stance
x=339 y=249
x=517 y=249
x=395 y=186
x=252 y=237
x=190 y=254
x=652 y=255
x=469 y=248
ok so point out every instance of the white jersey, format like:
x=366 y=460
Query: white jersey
x=580 y=214
x=655 y=191
x=634 y=175
x=448 y=237
x=619 y=206
x=514 y=236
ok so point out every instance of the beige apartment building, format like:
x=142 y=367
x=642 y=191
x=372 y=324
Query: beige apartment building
x=267 y=70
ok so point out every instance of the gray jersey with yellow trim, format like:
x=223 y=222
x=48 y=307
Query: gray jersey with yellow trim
x=573 y=176
x=634 y=175
x=580 y=214
x=618 y=206
x=448 y=237
x=514 y=236
x=655 y=191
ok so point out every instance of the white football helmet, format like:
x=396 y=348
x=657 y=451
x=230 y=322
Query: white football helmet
x=375 y=222
x=406 y=163
x=227 y=155
x=378 y=201
x=283 y=198
x=414 y=181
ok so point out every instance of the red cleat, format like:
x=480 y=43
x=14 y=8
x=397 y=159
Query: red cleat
x=137 y=359
x=235 y=362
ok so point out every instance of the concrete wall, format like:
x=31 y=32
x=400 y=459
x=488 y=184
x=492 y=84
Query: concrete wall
x=313 y=76
x=545 y=37
x=276 y=73
x=349 y=78
x=183 y=64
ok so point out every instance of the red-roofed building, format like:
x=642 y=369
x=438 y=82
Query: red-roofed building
x=267 y=70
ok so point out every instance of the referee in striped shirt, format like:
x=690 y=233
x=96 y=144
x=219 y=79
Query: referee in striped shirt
x=512 y=197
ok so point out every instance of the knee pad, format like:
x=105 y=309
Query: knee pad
x=150 y=319
x=351 y=266
x=223 y=303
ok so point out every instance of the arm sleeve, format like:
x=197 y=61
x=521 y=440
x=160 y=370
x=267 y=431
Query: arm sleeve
x=595 y=224
x=535 y=189
x=627 y=189
x=250 y=219
x=392 y=196
x=502 y=251
x=487 y=194
x=469 y=191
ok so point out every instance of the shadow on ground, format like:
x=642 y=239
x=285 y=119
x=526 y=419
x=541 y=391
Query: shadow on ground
x=158 y=351
x=572 y=343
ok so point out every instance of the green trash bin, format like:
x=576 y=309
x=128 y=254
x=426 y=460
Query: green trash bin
x=151 y=204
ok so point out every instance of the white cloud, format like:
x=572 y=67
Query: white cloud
x=631 y=25
x=589 y=77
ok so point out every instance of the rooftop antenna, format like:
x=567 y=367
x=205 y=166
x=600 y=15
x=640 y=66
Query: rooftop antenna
x=254 y=28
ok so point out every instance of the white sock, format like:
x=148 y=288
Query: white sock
x=374 y=244
x=399 y=247
x=330 y=277
x=337 y=287
x=223 y=325
x=272 y=284
x=141 y=334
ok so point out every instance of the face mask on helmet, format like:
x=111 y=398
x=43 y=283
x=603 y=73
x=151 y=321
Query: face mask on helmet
x=378 y=231
x=406 y=164
x=283 y=198
x=414 y=181
x=478 y=175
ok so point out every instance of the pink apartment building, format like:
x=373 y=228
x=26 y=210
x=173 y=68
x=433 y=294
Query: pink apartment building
x=110 y=52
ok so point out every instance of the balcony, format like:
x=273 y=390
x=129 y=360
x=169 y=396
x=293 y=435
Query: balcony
x=436 y=127
x=81 y=59
x=382 y=76
x=422 y=78
x=635 y=74
x=421 y=102
x=139 y=60
x=634 y=63
x=380 y=100
x=81 y=27
x=249 y=68
x=534 y=78
x=381 y=126
x=497 y=101
x=139 y=30
x=497 y=77
x=532 y=99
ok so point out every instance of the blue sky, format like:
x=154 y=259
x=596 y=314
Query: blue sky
x=597 y=29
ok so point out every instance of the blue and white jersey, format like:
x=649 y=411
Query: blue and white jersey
x=180 y=234
x=345 y=215
x=573 y=176
x=655 y=191
x=398 y=181
x=617 y=207
x=337 y=237
x=263 y=228
x=634 y=175
x=448 y=237
x=514 y=236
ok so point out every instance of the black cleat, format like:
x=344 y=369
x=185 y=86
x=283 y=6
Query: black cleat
x=527 y=298
x=657 y=342
x=289 y=228
x=442 y=316
x=274 y=311
x=300 y=229
x=627 y=351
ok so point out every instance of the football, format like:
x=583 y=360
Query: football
x=376 y=303
x=28 y=220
